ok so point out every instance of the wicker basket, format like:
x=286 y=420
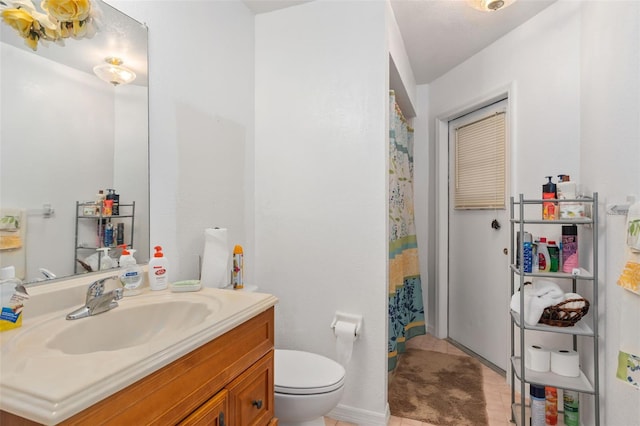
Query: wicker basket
x=561 y=315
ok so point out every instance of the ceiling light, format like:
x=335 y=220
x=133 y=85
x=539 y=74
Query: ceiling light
x=489 y=5
x=113 y=72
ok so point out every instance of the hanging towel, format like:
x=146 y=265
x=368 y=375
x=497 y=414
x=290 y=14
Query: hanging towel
x=630 y=276
x=13 y=231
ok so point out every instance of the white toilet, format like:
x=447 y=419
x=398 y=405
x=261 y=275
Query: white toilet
x=307 y=386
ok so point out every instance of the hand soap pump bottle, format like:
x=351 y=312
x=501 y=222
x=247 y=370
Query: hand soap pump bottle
x=131 y=273
x=158 y=266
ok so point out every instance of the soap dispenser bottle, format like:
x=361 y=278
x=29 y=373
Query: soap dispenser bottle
x=130 y=272
x=158 y=266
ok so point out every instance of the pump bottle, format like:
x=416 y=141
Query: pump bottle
x=158 y=274
x=130 y=272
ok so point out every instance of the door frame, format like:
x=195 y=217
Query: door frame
x=441 y=305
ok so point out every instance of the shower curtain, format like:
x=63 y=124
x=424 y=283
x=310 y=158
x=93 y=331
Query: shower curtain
x=406 y=310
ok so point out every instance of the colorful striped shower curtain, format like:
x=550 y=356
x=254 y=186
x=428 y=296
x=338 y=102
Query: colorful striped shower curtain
x=406 y=310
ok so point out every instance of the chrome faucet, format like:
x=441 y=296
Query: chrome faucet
x=97 y=300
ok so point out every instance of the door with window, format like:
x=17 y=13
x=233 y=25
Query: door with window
x=479 y=233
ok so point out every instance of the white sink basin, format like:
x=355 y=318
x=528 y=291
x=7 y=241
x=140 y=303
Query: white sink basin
x=125 y=327
x=52 y=368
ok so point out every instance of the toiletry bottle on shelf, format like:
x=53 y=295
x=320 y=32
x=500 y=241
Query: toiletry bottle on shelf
x=571 y=405
x=544 y=260
x=537 y=405
x=107 y=208
x=551 y=405
x=158 y=274
x=108 y=235
x=115 y=201
x=100 y=197
x=12 y=295
x=554 y=256
x=130 y=272
x=548 y=193
x=119 y=234
x=569 y=248
x=238 y=267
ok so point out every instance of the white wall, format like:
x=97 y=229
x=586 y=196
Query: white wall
x=39 y=100
x=570 y=116
x=321 y=197
x=201 y=125
x=610 y=154
x=539 y=63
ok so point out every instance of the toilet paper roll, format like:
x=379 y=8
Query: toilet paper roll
x=538 y=358
x=346 y=334
x=215 y=259
x=565 y=363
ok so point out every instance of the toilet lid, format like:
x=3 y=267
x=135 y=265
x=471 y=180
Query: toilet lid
x=305 y=373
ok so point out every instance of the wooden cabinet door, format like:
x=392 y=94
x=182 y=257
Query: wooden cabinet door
x=251 y=395
x=214 y=412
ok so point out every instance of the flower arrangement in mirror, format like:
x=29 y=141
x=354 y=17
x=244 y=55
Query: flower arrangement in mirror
x=59 y=19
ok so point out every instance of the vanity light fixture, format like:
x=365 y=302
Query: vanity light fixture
x=114 y=72
x=489 y=5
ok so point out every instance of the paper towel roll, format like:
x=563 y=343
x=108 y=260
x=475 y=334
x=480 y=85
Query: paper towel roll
x=346 y=334
x=215 y=259
x=537 y=358
x=565 y=363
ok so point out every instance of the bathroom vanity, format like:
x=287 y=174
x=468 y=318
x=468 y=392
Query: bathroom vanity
x=217 y=370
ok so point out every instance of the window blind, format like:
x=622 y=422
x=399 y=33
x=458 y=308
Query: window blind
x=480 y=164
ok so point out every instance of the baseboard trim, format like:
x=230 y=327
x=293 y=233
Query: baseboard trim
x=359 y=416
x=431 y=330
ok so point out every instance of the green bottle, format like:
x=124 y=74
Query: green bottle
x=571 y=401
x=554 y=256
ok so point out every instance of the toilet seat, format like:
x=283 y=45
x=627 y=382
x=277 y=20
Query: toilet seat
x=305 y=373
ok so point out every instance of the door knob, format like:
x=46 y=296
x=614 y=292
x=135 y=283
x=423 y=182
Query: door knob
x=505 y=251
x=257 y=404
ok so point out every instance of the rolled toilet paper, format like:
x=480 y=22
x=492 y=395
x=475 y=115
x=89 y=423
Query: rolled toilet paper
x=346 y=334
x=215 y=259
x=565 y=362
x=538 y=358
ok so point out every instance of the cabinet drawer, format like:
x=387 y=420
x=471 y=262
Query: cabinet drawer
x=212 y=413
x=251 y=394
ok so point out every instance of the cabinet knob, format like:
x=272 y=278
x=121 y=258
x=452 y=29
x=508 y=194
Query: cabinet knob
x=257 y=403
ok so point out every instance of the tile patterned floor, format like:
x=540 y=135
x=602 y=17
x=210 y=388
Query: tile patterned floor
x=496 y=391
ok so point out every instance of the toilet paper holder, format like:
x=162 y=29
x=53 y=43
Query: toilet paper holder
x=350 y=318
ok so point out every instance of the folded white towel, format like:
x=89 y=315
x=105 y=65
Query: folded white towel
x=537 y=297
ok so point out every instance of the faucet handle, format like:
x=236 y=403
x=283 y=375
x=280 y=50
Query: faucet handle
x=96 y=288
x=118 y=293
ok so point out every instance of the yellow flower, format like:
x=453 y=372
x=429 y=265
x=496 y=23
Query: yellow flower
x=67 y=10
x=20 y=20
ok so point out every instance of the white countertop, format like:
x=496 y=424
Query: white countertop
x=47 y=386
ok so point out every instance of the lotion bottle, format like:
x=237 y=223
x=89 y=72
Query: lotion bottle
x=158 y=266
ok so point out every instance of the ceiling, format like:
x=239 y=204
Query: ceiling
x=440 y=34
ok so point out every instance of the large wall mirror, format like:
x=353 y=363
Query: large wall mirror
x=65 y=134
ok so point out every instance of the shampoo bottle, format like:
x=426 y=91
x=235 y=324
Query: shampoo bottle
x=130 y=273
x=158 y=266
